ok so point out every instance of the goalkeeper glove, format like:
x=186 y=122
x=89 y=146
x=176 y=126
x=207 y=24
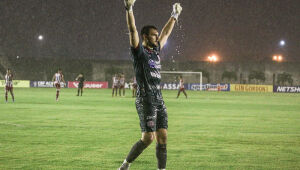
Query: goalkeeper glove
x=129 y=4
x=176 y=11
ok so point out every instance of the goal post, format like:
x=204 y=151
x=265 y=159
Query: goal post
x=185 y=72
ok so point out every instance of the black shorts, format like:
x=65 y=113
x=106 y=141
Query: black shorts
x=80 y=85
x=152 y=114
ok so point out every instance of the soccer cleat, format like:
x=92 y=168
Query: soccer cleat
x=124 y=166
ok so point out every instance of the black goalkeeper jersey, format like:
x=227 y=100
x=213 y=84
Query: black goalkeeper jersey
x=146 y=63
x=81 y=80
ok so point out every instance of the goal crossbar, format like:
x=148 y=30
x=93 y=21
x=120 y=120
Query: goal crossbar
x=184 y=72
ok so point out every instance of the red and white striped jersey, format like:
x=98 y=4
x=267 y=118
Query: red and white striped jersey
x=115 y=80
x=181 y=85
x=58 y=77
x=122 y=81
x=8 y=80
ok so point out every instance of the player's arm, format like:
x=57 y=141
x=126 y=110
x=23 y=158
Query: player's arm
x=166 y=31
x=77 y=78
x=53 y=78
x=62 y=78
x=133 y=34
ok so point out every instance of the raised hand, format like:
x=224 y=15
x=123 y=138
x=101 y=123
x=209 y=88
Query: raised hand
x=129 y=4
x=176 y=10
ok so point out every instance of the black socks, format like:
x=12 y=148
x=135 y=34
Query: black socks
x=161 y=155
x=135 y=151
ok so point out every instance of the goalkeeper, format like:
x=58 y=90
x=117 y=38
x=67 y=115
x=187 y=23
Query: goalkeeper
x=149 y=102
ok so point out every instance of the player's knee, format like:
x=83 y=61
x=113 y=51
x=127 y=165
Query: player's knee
x=162 y=139
x=148 y=138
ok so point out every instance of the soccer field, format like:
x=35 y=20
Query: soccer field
x=209 y=130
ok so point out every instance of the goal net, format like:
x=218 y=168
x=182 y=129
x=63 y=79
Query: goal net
x=170 y=80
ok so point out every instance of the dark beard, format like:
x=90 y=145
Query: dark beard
x=152 y=45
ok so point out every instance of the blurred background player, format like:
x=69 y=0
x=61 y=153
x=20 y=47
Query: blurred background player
x=9 y=85
x=81 y=80
x=122 y=84
x=134 y=86
x=57 y=79
x=150 y=106
x=181 y=87
x=115 y=83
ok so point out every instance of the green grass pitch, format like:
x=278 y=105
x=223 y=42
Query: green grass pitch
x=209 y=130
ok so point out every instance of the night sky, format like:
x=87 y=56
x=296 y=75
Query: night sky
x=236 y=30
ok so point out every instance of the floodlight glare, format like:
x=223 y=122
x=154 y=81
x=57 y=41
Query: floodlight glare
x=40 y=37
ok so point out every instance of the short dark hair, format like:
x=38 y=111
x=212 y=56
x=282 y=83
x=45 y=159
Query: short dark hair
x=146 y=29
x=59 y=69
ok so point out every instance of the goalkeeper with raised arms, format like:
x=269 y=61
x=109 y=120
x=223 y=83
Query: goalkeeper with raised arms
x=149 y=102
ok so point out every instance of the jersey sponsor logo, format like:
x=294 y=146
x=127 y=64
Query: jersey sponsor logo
x=154 y=64
x=156 y=75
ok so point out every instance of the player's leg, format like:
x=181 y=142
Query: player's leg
x=12 y=94
x=78 y=90
x=6 y=92
x=57 y=85
x=57 y=94
x=161 y=148
x=184 y=93
x=161 y=137
x=137 y=149
x=81 y=91
x=113 y=91
x=178 y=94
x=123 y=91
x=132 y=92
x=147 y=116
x=120 y=91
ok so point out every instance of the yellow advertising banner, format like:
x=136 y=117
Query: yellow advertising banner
x=251 y=88
x=17 y=83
